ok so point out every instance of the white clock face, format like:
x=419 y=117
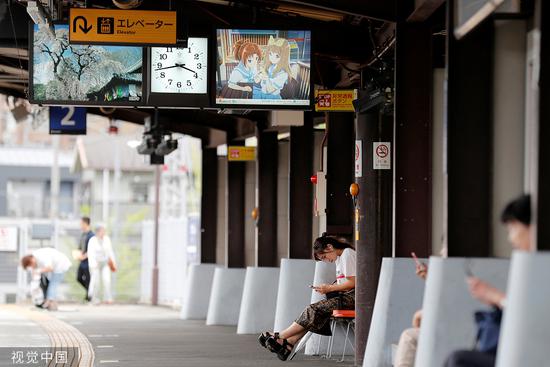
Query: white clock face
x=180 y=70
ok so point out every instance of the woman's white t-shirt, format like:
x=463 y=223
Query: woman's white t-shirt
x=51 y=258
x=345 y=265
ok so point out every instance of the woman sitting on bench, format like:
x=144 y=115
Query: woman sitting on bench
x=316 y=317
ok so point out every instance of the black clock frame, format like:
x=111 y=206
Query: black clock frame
x=182 y=100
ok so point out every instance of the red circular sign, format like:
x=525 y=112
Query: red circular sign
x=382 y=151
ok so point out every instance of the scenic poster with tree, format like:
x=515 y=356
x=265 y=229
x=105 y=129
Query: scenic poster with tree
x=99 y=75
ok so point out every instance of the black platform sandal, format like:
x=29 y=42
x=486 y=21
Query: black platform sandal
x=265 y=336
x=284 y=352
x=281 y=350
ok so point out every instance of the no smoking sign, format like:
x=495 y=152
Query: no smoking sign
x=381 y=155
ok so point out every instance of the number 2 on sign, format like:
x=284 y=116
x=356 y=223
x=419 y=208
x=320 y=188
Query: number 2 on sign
x=67 y=120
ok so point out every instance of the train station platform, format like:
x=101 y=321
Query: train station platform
x=136 y=335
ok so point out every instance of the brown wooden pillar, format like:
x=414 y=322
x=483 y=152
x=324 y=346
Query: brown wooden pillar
x=301 y=189
x=209 y=200
x=267 y=168
x=235 y=257
x=413 y=139
x=542 y=194
x=469 y=134
x=374 y=205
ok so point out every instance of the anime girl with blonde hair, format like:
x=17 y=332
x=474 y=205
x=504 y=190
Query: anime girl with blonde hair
x=276 y=72
x=246 y=72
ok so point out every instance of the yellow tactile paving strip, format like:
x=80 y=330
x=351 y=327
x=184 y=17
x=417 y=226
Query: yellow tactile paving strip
x=61 y=334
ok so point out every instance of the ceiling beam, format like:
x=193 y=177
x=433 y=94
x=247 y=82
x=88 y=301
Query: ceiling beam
x=22 y=73
x=7 y=85
x=424 y=10
x=17 y=53
x=374 y=9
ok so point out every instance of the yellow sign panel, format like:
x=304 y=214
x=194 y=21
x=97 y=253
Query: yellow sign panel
x=238 y=153
x=93 y=26
x=335 y=100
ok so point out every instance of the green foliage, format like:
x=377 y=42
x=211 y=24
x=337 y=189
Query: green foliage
x=85 y=210
x=127 y=284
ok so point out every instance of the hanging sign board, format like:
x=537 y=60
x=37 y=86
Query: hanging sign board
x=240 y=154
x=8 y=239
x=335 y=100
x=381 y=155
x=68 y=120
x=128 y=27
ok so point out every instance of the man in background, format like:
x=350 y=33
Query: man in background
x=83 y=272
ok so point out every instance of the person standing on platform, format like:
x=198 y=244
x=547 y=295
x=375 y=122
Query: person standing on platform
x=83 y=272
x=101 y=261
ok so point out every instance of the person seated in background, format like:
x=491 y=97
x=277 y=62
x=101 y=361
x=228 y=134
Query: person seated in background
x=406 y=349
x=517 y=218
x=408 y=342
x=316 y=317
x=54 y=264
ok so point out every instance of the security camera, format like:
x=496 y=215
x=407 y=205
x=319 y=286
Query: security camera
x=147 y=146
x=368 y=99
x=166 y=147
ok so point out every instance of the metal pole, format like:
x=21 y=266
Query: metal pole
x=155 y=295
x=54 y=179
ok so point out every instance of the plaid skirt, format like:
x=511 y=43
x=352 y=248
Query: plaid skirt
x=316 y=317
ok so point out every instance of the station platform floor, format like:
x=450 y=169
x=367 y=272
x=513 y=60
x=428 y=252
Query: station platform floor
x=137 y=336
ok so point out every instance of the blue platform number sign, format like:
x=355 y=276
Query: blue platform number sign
x=68 y=120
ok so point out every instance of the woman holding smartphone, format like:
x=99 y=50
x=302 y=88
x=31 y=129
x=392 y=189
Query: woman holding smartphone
x=316 y=317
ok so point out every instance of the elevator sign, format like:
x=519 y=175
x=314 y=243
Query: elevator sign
x=381 y=155
x=104 y=26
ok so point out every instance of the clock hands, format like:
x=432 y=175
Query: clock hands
x=168 y=67
x=186 y=68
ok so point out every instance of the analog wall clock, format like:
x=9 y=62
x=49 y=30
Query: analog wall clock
x=180 y=71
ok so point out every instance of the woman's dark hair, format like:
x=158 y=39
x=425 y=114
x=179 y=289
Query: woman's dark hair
x=518 y=210
x=320 y=245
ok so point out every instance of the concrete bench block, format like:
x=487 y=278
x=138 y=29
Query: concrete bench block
x=526 y=325
x=399 y=296
x=448 y=308
x=226 y=296
x=324 y=273
x=197 y=292
x=259 y=300
x=293 y=294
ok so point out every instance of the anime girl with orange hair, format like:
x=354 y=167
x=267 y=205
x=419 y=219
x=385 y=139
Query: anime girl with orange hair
x=276 y=71
x=246 y=72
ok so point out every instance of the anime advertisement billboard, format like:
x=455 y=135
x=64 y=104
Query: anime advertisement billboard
x=263 y=67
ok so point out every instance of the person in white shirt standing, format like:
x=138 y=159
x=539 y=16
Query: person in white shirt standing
x=101 y=260
x=54 y=264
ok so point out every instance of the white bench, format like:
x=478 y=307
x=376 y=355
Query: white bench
x=259 y=300
x=448 y=307
x=525 y=330
x=398 y=297
x=198 y=287
x=226 y=296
